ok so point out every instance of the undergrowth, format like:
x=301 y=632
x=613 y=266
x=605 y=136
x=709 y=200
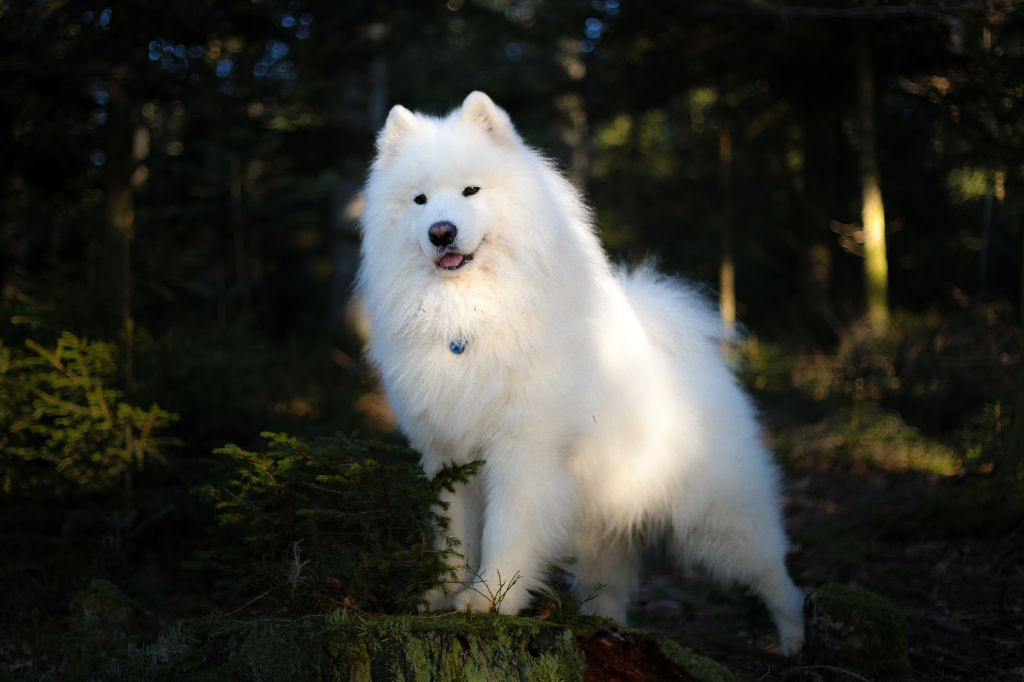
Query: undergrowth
x=312 y=525
x=931 y=393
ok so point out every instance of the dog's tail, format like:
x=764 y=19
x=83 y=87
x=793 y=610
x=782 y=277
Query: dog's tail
x=674 y=314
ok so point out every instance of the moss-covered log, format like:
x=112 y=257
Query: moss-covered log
x=337 y=647
x=440 y=648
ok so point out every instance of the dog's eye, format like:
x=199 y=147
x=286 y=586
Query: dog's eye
x=470 y=191
x=420 y=199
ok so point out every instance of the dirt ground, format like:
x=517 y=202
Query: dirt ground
x=947 y=550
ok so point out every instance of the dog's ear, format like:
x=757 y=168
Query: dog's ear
x=400 y=123
x=480 y=110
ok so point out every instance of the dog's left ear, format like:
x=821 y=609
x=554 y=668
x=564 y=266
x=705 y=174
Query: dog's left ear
x=480 y=110
x=400 y=123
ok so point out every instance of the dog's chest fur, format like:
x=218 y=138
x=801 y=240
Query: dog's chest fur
x=442 y=399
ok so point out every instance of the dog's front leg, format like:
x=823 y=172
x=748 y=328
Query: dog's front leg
x=463 y=507
x=528 y=501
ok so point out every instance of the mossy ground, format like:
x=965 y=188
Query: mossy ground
x=344 y=646
x=858 y=630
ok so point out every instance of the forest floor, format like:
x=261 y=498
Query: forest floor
x=948 y=550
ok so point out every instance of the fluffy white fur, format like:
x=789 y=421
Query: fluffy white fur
x=598 y=398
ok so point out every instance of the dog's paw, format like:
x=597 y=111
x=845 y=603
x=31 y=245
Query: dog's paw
x=436 y=599
x=791 y=637
x=791 y=646
x=476 y=598
x=790 y=624
x=471 y=600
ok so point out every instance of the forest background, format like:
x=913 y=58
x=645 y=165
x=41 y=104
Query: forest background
x=179 y=203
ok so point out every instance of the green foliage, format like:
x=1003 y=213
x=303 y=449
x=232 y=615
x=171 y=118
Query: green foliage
x=935 y=370
x=887 y=441
x=64 y=427
x=764 y=367
x=102 y=617
x=930 y=393
x=332 y=521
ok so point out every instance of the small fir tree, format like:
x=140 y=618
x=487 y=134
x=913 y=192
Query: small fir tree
x=335 y=521
x=64 y=428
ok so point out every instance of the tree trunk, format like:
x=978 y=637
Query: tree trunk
x=120 y=205
x=1010 y=460
x=815 y=202
x=726 y=271
x=238 y=234
x=876 y=269
x=986 y=231
x=1010 y=463
x=346 y=209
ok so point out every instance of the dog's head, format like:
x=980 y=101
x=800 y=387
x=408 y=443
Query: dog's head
x=441 y=183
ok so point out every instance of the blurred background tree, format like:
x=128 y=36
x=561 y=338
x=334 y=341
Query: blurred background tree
x=179 y=182
x=197 y=161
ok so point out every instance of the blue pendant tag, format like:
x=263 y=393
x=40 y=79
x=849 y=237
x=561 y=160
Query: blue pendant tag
x=457 y=346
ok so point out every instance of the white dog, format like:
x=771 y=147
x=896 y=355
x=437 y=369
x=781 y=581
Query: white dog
x=598 y=398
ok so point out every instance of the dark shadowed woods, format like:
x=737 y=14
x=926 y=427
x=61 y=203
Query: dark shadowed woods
x=179 y=201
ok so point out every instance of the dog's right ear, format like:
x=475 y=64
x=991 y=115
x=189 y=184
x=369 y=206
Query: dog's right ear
x=480 y=110
x=400 y=123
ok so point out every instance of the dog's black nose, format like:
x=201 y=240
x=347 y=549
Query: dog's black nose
x=442 y=233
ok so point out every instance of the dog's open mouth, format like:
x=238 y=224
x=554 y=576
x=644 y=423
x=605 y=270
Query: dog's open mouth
x=453 y=260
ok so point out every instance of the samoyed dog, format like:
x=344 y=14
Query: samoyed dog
x=597 y=397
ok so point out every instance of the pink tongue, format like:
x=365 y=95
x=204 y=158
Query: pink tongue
x=451 y=260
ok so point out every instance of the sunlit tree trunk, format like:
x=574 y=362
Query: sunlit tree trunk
x=990 y=191
x=876 y=269
x=726 y=271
